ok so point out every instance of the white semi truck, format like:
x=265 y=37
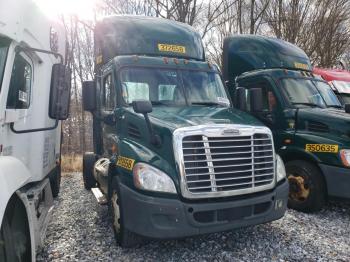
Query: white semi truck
x=34 y=98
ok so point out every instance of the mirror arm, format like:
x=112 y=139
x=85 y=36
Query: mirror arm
x=30 y=49
x=155 y=139
x=12 y=127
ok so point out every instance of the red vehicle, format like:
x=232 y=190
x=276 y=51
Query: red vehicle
x=339 y=80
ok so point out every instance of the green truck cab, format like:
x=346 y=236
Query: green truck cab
x=171 y=156
x=310 y=127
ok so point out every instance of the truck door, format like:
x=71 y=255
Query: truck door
x=18 y=109
x=272 y=113
x=108 y=105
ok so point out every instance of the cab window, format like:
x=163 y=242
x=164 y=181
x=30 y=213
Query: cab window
x=108 y=93
x=20 y=84
x=134 y=91
x=268 y=98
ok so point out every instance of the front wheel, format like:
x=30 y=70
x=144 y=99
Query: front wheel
x=307 y=189
x=123 y=236
x=89 y=160
x=15 y=245
x=55 y=181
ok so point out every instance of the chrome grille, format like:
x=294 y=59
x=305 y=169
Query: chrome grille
x=214 y=164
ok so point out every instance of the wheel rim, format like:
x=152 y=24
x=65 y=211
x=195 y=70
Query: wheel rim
x=299 y=188
x=116 y=212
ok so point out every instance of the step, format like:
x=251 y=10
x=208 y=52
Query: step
x=100 y=197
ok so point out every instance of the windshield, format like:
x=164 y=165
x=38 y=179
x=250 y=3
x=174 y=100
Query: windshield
x=4 y=44
x=173 y=87
x=345 y=98
x=342 y=86
x=309 y=92
x=327 y=93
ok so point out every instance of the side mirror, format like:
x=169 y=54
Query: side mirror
x=347 y=108
x=240 y=99
x=256 y=101
x=142 y=106
x=60 y=92
x=89 y=95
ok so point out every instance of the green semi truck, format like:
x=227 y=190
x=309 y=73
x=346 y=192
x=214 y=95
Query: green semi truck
x=172 y=158
x=310 y=127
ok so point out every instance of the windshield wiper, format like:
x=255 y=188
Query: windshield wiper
x=207 y=103
x=335 y=106
x=157 y=103
x=306 y=104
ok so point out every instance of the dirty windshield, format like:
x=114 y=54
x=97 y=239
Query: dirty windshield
x=4 y=43
x=173 y=87
x=306 y=92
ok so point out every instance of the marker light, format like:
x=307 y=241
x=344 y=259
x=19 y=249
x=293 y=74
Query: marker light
x=280 y=169
x=345 y=157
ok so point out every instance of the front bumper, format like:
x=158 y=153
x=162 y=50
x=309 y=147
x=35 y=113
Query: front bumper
x=338 y=180
x=163 y=218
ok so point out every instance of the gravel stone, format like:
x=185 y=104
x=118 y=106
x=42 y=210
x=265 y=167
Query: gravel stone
x=80 y=230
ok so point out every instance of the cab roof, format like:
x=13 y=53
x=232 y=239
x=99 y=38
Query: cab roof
x=333 y=74
x=24 y=22
x=244 y=53
x=141 y=35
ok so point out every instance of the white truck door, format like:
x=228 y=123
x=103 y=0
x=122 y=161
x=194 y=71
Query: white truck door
x=18 y=108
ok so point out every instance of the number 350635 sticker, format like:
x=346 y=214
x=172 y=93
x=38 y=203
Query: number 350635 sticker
x=322 y=148
x=125 y=162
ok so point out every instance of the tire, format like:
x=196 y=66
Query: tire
x=307 y=188
x=89 y=160
x=55 y=181
x=15 y=243
x=123 y=236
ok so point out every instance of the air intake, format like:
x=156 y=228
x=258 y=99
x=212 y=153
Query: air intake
x=314 y=126
x=133 y=131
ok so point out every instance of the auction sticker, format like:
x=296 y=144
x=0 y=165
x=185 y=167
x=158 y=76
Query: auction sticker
x=324 y=148
x=125 y=162
x=172 y=48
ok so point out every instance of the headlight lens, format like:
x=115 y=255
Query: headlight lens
x=280 y=168
x=345 y=157
x=149 y=178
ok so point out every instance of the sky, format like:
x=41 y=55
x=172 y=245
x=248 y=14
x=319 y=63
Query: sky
x=82 y=8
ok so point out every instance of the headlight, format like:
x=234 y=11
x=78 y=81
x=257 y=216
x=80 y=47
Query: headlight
x=345 y=157
x=280 y=169
x=149 y=178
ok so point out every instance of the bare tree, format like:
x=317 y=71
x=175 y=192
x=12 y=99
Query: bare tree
x=318 y=27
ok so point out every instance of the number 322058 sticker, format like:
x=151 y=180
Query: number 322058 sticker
x=326 y=148
x=125 y=162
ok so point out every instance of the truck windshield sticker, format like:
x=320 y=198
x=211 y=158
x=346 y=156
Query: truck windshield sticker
x=125 y=162
x=172 y=48
x=22 y=96
x=301 y=66
x=325 y=148
x=223 y=100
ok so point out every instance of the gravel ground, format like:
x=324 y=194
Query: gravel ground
x=80 y=231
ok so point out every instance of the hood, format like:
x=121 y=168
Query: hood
x=177 y=117
x=329 y=121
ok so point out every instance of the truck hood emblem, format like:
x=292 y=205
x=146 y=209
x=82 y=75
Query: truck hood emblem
x=230 y=132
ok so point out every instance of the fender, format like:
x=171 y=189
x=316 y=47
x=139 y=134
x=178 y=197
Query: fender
x=13 y=175
x=292 y=153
